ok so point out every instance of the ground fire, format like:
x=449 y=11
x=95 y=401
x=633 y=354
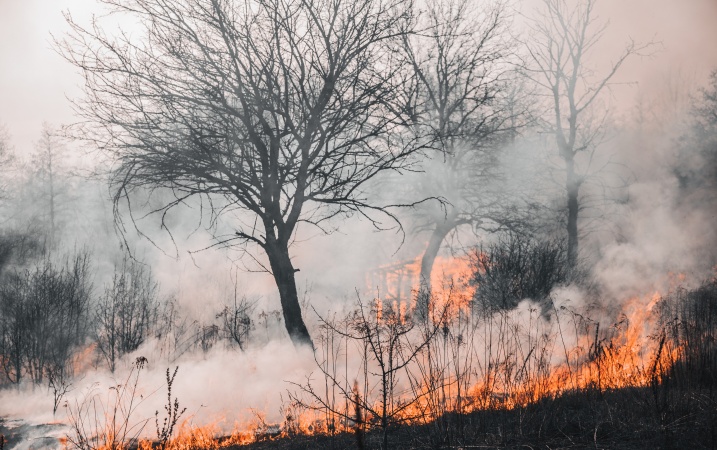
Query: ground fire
x=461 y=361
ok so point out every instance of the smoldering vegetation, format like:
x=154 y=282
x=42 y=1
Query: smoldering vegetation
x=424 y=227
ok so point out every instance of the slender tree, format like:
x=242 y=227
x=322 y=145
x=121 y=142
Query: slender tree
x=6 y=156
x=47 y=170
x=460 y=58
x=562 y=41
x=696 y=165
x=283 y=110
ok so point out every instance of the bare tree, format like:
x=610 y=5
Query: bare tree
x=46 y=166
x=459 y=57
x=562 y=41
x=16 y=245
x=696 y=166
x=6 y=155
x=282 y=110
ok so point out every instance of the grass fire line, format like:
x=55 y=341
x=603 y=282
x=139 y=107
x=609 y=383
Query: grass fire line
x=379 y=368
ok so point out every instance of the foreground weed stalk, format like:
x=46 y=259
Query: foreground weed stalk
x=173 y=413
x=108 y=424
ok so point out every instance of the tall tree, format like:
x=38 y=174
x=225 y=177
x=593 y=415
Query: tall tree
x=562 y=41
x=4 y=141
x=281 y=109
x=460 y=60
x=46 y=165
x=696 y=165
x=6 y=155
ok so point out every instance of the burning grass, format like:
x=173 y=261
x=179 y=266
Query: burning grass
x=204 y=438
x=556 y=374
x=646 y=380
x=459 y=372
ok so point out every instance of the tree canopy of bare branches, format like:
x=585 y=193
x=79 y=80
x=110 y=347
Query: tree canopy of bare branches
x=283 y=110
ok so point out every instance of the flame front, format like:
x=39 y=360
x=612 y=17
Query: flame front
x=466 y=361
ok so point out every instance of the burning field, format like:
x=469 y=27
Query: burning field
x=370 y=224
x=565 y=371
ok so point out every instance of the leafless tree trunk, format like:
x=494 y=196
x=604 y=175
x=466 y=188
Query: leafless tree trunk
x=459 y=57
x=45 y=165
x=438 y=235
x=559 y=48
x=6 y=156
x=282 y=110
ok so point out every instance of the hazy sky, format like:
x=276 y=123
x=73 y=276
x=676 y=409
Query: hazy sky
x=34 y=80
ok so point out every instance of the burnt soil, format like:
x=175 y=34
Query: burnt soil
x=633 y=418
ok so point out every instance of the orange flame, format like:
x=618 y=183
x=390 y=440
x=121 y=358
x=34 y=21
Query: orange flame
x=545 y=361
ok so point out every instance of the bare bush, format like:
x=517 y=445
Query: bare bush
x=690 y=320
x=177 y=333
x=44 y=319
x=19 y=247
x=59 y=383
x=386 y=342
x=517 y=267
x=236 y=322
x=127 y=312
x=108 y=423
